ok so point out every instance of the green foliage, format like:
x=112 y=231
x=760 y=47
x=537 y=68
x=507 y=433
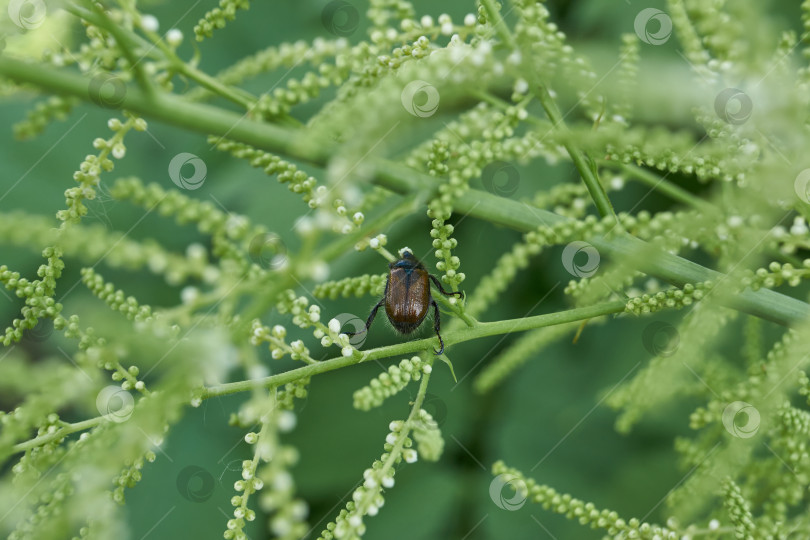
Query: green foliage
x=673 y=168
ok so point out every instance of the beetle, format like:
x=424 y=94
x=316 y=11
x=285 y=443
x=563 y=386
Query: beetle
x=407 y=297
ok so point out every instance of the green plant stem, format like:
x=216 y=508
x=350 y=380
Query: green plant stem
x=406 y=429
x=581 y=160
x=465 y=334
x=127 y=39
x=60 y=433
x=296 y=144
x=123 y=43
x=459 y=336
x=498 y=23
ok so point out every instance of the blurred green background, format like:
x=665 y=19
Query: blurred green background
x=547 y=419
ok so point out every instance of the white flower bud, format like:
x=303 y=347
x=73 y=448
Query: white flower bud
x=174 y=37
x=409 y=455
x=149 y=23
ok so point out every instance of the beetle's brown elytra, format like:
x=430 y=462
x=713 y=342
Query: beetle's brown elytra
x=407 y=297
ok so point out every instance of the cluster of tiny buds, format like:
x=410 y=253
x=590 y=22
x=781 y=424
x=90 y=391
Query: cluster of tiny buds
x=340 y=209
x=303 y=314
x=278 y=347
x=424 y=24
x=335 y=337
x=367 y=499
x=150 y=23
x=448 y=263
x=129 y=378
x=672 y=298
x=586 y=513
x=419 y=49
x=115 y=145
x=248 y=485
x=389 y=383
x=775 y=275
x=398 y=429
x=377 y=242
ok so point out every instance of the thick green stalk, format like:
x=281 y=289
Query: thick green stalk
x=295 y=143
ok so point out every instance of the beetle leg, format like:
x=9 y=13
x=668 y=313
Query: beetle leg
x=441 y=290
x=436 y=325
x=370 y=318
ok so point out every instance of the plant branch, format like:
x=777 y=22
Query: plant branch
x=459 y=336
x=466 y=334
x=296 y=144
x=584 y=163
x=498 y=23
x=60 y=433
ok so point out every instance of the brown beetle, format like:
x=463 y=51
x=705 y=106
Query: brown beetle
x=407 y=297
